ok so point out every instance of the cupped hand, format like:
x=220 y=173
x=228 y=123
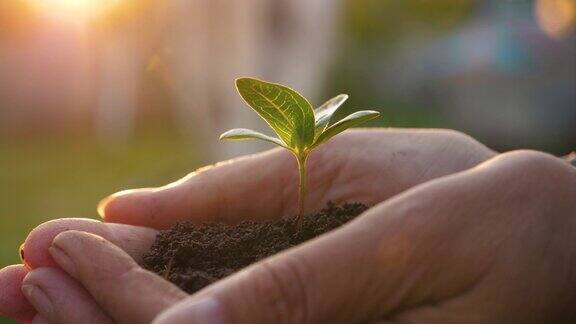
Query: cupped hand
x=363 y=165
x=367 y=166
x=494 y=244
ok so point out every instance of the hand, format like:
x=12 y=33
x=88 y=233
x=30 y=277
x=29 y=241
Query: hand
x=363 y=165
x=367 y=166
x=494 y=244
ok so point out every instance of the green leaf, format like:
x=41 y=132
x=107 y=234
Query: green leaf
x=351 y=120
x=243 y=134
x=288 y=113
x=324 y=113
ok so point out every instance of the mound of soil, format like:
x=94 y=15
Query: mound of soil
x=194 y=256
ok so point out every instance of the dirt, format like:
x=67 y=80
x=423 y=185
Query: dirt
x=194 y=256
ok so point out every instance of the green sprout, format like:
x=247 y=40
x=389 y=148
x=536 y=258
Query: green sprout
x=299 y=127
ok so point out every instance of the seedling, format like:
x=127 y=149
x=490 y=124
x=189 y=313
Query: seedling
x=299 y=127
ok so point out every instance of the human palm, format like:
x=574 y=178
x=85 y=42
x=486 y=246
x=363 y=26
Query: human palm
x=367 y=166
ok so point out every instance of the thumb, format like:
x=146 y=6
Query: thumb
x=200 y=195
x=328 y=280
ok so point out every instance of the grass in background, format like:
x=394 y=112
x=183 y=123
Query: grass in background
x=47 y=178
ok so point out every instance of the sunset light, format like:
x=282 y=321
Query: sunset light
x=448 y=178
x=73 y=11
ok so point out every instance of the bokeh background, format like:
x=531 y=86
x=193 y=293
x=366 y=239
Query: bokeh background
x=98 y=96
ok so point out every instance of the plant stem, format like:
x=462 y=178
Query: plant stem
x=302 y=188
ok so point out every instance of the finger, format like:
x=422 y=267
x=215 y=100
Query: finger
x=133 y=239
x=416 y=249
x=366 y=166
x=125 y=291
x=60 y=299
x=13 y=304
x=312 y=283
x=216 y=193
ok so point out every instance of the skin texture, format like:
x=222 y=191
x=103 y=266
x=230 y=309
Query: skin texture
x=491 y=243
x=392 y=161
x=11 y=297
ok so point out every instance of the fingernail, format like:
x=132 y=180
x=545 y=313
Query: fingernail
x=37 y=298
x=63 y=260
x=23 y=258
x=207 y=310
x=102 y=205
x=21 y=250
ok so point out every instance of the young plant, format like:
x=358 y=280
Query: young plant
x=299 y=127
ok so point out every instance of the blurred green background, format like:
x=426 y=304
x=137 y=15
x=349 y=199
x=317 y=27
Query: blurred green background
x=99 y=98
x=54 y=177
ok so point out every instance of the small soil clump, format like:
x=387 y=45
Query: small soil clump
x=194 y=256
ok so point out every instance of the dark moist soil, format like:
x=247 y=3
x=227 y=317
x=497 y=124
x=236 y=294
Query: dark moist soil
x=194 y=256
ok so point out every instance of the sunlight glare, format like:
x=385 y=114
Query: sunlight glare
x=73 y=11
